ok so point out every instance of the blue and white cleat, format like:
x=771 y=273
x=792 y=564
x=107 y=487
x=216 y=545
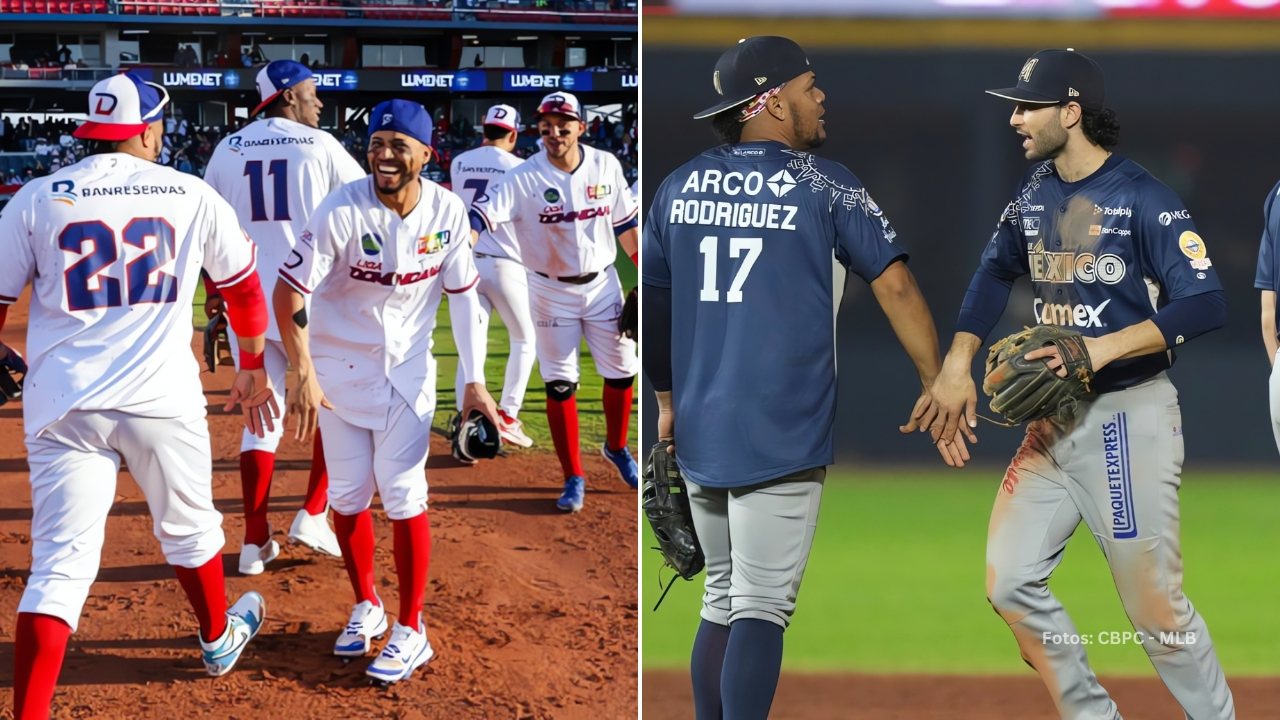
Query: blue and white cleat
x=244 y=620
x=626 y=464
x=406 y=651
x=575 y=490
x=368 y=622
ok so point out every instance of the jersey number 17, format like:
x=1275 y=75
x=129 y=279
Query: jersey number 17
x=710 y=249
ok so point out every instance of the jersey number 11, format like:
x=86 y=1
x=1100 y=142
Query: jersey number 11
x=279 y=172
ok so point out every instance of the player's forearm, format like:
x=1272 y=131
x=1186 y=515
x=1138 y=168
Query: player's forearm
x=900 y=298
x=959 y=358
x=291 y=317
x=247 y=313
x=1269 y=324
x=1141 y=338
x=464 y=311
x=665 y=403
x=630 y=241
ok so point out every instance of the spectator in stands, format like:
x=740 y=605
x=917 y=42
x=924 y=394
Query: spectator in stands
x=64 y=55
x=305 y=59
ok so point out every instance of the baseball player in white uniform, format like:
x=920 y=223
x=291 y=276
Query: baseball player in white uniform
x=374 y=258
x=274 y=172
x=114 y=245
x=567 y=204
x=503 y=285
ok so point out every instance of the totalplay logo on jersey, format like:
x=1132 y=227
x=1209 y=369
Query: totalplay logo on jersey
x=1115 y=449
x=371 y=244
x=599 y=192
x=434 y=243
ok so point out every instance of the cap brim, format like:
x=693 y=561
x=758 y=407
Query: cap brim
x=1019 y=95
x=717 y=109
x=504 y=126
x=263 y=105
x=108 y=131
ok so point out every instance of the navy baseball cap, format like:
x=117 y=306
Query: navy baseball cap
x=402 y=116
x=752 y=66
x=276 y=77
x=121 y=107
x=1056 y=77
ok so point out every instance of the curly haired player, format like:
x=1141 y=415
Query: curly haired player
x=113 y=246
x=1112 y=253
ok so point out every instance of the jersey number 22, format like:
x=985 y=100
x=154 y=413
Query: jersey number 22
x=88 y=285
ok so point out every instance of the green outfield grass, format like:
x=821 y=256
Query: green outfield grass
x=533 y=413
x=896 y=580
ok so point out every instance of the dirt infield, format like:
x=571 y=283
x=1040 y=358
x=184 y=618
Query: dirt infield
x=833 y=696
x=532 y=613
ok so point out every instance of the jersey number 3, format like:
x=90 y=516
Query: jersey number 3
x=88 y=285
x=710 y=247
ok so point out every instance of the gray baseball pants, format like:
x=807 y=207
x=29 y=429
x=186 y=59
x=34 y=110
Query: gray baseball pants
x=756 y=540
x=1117 y=467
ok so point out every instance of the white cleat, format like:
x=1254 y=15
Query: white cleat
x=254 y=558
x=244 y=620
x=406 y=651
x=368 y=623
x=314 y=532
x=512 y=431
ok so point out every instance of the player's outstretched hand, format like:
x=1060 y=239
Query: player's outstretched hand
x=922 y=415
x=476 y=397
x=252 y=392
x=954 y=452
x=956 y=398
x=305 y=404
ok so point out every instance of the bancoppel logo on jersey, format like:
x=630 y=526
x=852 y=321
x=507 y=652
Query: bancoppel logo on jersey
x=599 y=192
x=63 y=191
x=1069 y=314
x=1070 y=267
x=1166 y=218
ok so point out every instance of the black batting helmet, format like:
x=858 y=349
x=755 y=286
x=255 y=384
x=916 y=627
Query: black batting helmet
x=474 y=439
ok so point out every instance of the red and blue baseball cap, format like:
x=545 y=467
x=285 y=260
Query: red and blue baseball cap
x=402 y=116
x=503 y=116
x=121 y=107
x=276 y=77
x=560 y=103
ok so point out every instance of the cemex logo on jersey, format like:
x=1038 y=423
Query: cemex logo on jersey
x=1068 y=314
x=1166 y=218
x=371 y=244
x=1115 y=448
x=781 y=183
x=63 y=191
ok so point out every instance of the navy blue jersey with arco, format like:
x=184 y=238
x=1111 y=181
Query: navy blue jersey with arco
x=743 y=235
x=1104 y=253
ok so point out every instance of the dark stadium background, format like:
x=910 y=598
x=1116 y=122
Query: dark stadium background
x=906 y=112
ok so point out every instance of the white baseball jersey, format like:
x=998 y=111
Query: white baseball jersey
x=375 y=280
x=275 y=172
x=563 y=221
x=115 y=245
x=473 y=174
